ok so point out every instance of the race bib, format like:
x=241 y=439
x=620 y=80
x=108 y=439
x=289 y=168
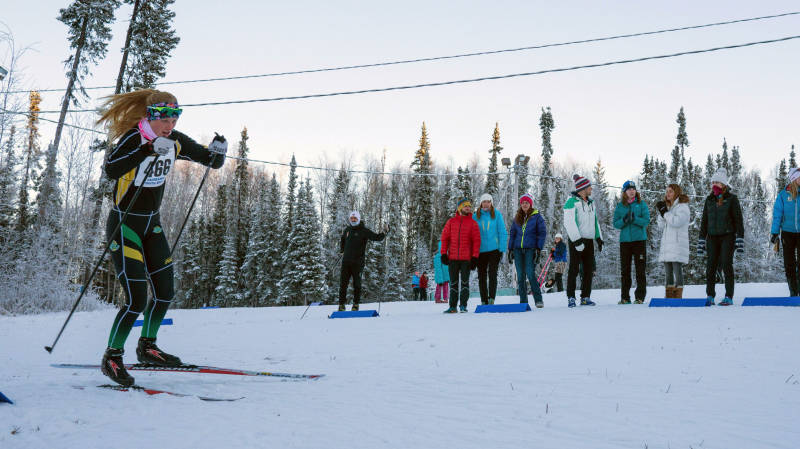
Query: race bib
x=159 y=173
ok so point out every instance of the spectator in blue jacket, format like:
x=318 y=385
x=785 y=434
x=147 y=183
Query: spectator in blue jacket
x=441 y=276
x=494 y=239
x=559 y=253
x=525 y=243
x=631 y=217
x=415 y=285
x=786 y=228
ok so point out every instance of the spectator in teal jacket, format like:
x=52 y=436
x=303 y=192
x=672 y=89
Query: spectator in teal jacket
x=494 y=240
x=631 y=217
x=441 y=276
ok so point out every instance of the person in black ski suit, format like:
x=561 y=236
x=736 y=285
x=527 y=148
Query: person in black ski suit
x=143 y=121
x=353 y=248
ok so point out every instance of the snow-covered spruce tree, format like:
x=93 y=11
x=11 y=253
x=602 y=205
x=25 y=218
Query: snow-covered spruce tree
x=792 y=158
x=255 y=245
x=31 y=154
x=522 y=180
x=272 y=262
x=241 y=185
x=303 y=281
x=213 y=242
x=465 y=184
x=189 y=273
x=781 y=177
x=607 y=274
x=89 y=31
x=397 y=285
x=226 y=292
x=735 y=172
x=145 y=54
x=421 y=237
x=678 y=162
x=48 y=199
x=8 y=182
x=546 y=124
x=492 y=179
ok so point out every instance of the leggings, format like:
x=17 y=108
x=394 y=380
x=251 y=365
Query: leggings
x=674 y=272
x=141 y=256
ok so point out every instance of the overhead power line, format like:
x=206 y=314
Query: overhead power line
x=473 y=80
x=455 y=56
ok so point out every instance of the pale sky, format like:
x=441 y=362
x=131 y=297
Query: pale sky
x=619 y=113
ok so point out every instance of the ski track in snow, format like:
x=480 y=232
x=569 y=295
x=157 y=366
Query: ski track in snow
x=591 y=377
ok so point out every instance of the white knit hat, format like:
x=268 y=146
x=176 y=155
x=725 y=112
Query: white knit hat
x=721 y=176
x=358 y=218
x=559 y=236
x=485 y=197
x=794 y=173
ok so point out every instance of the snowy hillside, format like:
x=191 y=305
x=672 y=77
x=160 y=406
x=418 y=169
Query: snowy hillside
x=604 y=377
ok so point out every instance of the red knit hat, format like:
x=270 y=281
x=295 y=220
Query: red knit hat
x=580 y=183
x=526 y=197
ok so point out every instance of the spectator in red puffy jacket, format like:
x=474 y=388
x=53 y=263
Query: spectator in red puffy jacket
x=461 y=244
x=423 y=286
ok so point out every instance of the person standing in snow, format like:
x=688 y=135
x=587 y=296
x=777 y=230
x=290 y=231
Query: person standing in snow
x=143 y=122
x=461 y=244
x=441 y=276
x=673 y=218
x=559 y=254
x=583 y=231
x=786 y=228
x=631 y=217
x=493 y=243
x=722 y=233
x=415 y=285
x=353 y=248
x=525 y=242
x=423 y=286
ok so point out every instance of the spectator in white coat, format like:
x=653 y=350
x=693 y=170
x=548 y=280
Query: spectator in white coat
x=673 y=219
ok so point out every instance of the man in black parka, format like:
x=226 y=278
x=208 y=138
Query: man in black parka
x=353 y=247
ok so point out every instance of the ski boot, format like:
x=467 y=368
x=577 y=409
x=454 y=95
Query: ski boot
x=624 y=301
x=147 y=352
x=709 y=301
x=451 y=310
x=726 y=302
x=571 y=302
x=113 y=367
x=539 y=303
x=639 y=301
x=589 y=302
x=462 y=309
x=354 y=308
x=342 y=307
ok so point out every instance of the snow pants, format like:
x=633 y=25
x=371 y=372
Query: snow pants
x=459 y=291
x=720 y=254
x=791 y=257
x=141 y=256
x=578 y=259
x=487 y=271
x=350 y=270
x=636 y=252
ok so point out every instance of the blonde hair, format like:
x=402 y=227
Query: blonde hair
x=123 y=111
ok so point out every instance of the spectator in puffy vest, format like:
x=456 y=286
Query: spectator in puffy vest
x=493 y=243
x=721 y=233
x=583 y=231
x=673 y=218
x=461 y=244
x=525 y=243
x=786 y=228
x=631 y=217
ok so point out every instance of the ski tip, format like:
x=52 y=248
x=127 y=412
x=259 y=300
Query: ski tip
x=49 y=349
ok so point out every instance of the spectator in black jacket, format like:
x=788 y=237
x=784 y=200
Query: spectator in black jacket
x=353 y=247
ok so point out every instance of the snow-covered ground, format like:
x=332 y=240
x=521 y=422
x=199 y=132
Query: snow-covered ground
x=603 y=377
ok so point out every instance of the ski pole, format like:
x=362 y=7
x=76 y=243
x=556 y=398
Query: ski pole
x=85 y=287
x=191 y=206
x=543 y=274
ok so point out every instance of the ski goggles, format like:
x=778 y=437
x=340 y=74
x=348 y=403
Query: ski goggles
x=160 y=111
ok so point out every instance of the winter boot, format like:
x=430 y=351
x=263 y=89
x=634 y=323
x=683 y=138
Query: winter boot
x=570 y=302
x=624 y=301
x=539 y=303
x=491 y=300
x=462 y=309
x=726 y=302
x=589 y=302
x=342 y=307
x=639 y=301
x=679 y=292
x=354 y=307
x=147 y=352
x=670 y=291
x=451 y=310
x=113 y=367
x=709 y=301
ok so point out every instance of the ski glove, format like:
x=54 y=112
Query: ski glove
x=163 y=146
x=628 y=217
x=662 y=207
x=739 y=245
x=579 y=245
x=510 y=257
x=701 y=247
x=219 y=145
x=473 y=263
x=774 y=239
x=599 y=244
x=445 y=259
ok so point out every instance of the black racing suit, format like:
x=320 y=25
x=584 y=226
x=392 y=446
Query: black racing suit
x=140 y=250
x=353 y=246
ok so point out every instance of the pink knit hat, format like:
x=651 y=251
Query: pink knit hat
x=526 y=197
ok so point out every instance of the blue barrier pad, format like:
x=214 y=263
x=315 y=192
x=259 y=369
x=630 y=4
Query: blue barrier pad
x=3 y=398
x=356 y=314
x=165 y=321
x=210 y=307
x=503 y=308
x=787 y=301
x=678 y=302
